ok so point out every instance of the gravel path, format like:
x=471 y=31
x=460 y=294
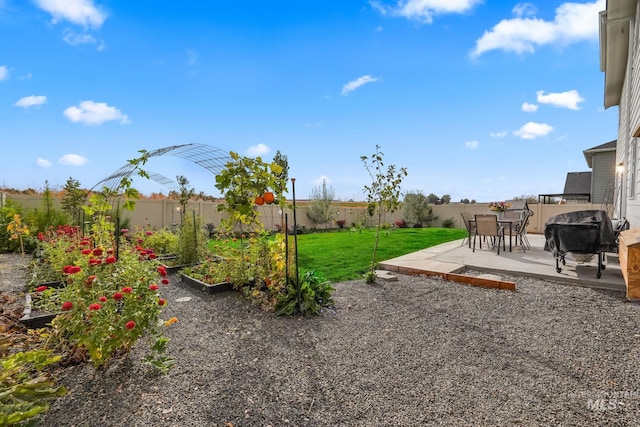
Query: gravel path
x=419 y=351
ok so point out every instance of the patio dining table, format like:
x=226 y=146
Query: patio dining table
x=513 y=225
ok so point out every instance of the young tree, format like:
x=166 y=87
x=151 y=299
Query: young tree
x=72 y=200
x=321 y=207
x=383 y=195
x=416 y=209
x=185 y=193
x=445 y=199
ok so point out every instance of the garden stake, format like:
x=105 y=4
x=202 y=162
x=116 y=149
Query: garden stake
x=295 y=234
x=117 y=236
x=286 y=249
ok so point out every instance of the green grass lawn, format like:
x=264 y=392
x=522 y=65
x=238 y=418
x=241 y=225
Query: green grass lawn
x=345 y=255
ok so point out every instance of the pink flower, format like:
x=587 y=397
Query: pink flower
x=41 y=288
x=103 y=299
x=95 y=307
x=127 y=290
x=130 y=324
x=153 y=287
x=124 y=231
x=117 y=296
x=67 y=305
x=165 y=281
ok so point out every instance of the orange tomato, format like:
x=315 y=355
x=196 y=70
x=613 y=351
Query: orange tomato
x=269 y=197
x=259 y=200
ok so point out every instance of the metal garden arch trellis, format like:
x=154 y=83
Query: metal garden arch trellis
x=211 y=158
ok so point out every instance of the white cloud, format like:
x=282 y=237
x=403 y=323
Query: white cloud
x=323 y=178
x=471 y=144
x=355 y=84
x=424 y=10
x=94 y=113
x=529 y=108
x=79 y=12
x=73 y=160
x=43 y=163
x=26 y=76
x=30 y=101
x=74 y=39
x=4 y=72
x=257 y=150
x=569 y=99
x=500 y=134
x=573 y=22
x=533 y=130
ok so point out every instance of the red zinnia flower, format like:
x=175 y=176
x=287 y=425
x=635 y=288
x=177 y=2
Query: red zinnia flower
x=41 y=288
x=97 y=252
x=140 y=241
x=84 y=243
x=103 y=299
x=66 y=268
x=153 y=287
x=40 y=236
x=110 y=259
x=124 y=230
x=75 y=269
x=95 y=261
x=95 y=306
x=162 y=301
x=162 y=271
x=127 y=290
x=130 y=324
x=165 y=281
x=67 y=305
x=86 y=251
x=153 y=256
x=117 y=296
x=148 y=233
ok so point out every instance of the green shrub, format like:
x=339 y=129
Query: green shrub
x=448 y=223
x=308 y=296
x=163 y=242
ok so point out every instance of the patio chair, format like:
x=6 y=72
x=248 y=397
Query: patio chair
x=522 y=231
x=518 y=218
x=487 y=226
x=469 y=223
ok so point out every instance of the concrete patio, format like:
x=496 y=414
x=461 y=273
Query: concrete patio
x=455 y=257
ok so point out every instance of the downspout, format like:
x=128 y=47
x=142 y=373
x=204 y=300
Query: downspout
x=629 y=136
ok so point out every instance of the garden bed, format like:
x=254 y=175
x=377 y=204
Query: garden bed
x=33 y=318
x=212 y=288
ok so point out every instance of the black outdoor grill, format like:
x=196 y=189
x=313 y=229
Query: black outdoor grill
x=581 y=233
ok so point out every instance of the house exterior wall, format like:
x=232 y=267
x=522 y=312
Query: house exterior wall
x=603 y=175
x=629 y=122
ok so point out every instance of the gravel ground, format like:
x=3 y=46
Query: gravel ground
x=418 y=351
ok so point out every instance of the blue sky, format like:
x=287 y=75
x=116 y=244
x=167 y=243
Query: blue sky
x=484 y=100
